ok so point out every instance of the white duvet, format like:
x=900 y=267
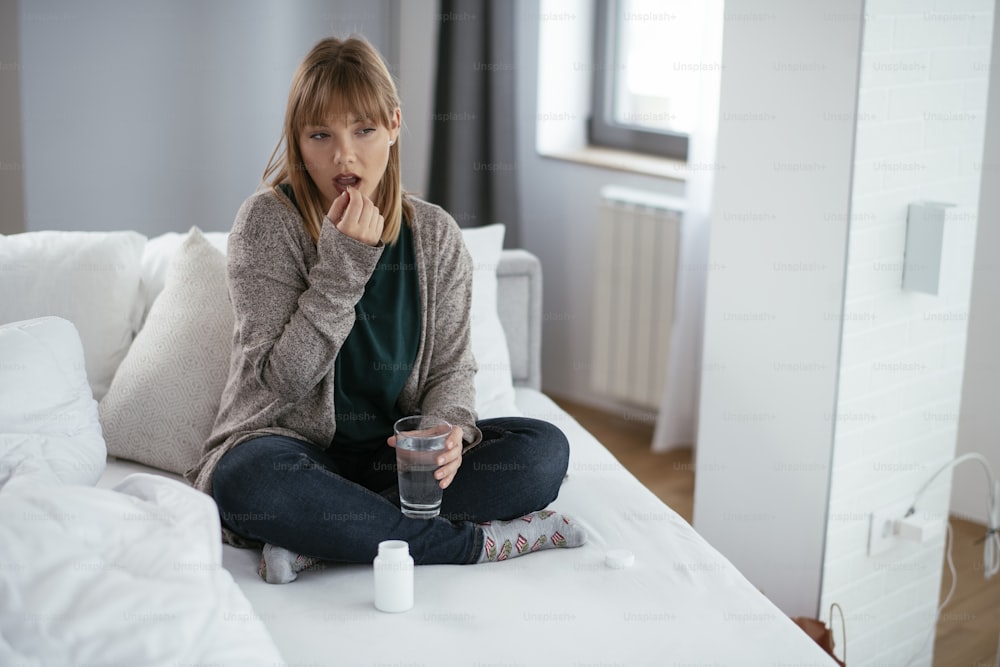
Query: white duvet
x=125 y=576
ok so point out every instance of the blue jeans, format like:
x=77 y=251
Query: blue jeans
x=337 y=505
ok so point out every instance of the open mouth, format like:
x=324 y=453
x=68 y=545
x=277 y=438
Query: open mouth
x=344 y=181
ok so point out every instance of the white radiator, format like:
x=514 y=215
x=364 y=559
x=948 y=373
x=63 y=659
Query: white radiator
x=634 y=294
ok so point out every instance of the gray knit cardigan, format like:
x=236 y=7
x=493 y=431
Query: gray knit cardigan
x=294 y=305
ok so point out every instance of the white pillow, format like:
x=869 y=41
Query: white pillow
x=156 y=256
x=163 y=401
x=48 y=416
x=89 y=278
x=494 y=384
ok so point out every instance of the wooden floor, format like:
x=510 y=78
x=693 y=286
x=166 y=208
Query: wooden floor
x=968 y=628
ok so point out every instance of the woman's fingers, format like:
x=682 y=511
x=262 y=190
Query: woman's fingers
x=360 y=219
x=451 y=460
x=338 y=207
x=371 y=220
x=354 y=202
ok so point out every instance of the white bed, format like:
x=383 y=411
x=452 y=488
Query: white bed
x=680 y=603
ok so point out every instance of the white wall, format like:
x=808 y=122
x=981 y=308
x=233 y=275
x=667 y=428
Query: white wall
x=559 y=203
x=159 y=116
x=417 y=74
x=979 y=417
x=772 y=321
x=921 y=116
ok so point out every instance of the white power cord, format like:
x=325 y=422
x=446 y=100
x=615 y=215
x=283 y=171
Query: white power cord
x=991 y=545
x=950 y=539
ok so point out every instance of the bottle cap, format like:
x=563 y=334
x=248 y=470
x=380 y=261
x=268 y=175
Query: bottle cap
x=394 y=549
x=619 y=559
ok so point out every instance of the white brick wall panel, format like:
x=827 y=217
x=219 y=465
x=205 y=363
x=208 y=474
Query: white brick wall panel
x=915 y=101
x=897 y=7
x=876 y=140
x=925 y=167
x=932 y=30
x=954 y=129
x=893 y=69
x=971 y=6
x=957 y=64
x=932 y=389
x=981 y=30
x=974 y=96
x=874 y=345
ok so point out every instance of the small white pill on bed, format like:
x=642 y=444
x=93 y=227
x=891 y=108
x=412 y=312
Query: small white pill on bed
x=619 y=559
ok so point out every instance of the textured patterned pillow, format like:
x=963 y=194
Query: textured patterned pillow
x=163 y=399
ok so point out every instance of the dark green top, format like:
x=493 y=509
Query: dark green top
x=377 y=356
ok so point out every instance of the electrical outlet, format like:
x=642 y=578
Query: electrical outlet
x=881 y=530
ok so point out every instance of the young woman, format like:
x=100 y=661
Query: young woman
x=352 y=311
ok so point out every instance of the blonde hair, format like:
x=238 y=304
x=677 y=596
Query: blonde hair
x=348 y=74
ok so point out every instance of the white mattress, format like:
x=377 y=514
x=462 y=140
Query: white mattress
x=681 y=603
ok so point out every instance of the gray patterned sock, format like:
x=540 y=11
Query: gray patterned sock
x=532 y=532
x=281 y=566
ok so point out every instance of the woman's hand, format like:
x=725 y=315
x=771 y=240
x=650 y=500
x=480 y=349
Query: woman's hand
x=450 y=460
x=357 y=217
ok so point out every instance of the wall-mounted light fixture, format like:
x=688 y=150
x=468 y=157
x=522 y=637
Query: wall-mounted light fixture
x=924 y=243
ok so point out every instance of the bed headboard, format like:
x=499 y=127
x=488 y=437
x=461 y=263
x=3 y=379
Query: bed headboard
x=519 y=302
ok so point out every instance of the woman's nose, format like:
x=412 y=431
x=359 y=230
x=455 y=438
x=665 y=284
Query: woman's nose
x=343 y=152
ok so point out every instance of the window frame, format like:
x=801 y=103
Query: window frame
x=602 y=128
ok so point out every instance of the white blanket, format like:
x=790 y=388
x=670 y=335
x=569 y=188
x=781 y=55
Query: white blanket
x=130 y=576
x=124 y=576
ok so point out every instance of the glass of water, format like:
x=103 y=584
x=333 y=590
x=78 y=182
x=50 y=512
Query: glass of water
x=419 y=441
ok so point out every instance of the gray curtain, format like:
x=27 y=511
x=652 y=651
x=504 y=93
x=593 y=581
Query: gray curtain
x=473 y=165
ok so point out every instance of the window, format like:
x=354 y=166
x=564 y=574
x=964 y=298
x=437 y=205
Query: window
x=645 y=77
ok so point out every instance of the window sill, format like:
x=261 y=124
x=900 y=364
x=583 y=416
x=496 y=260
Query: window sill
x=635 y=163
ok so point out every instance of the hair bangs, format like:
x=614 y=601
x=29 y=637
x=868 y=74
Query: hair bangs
x=338 y=90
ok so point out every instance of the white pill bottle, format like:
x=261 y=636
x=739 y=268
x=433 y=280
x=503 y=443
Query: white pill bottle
x=393 y=576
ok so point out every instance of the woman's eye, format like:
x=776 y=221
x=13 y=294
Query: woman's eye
x=367 y=131
x=318 y=135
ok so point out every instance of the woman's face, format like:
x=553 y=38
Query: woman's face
x=347 y=151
